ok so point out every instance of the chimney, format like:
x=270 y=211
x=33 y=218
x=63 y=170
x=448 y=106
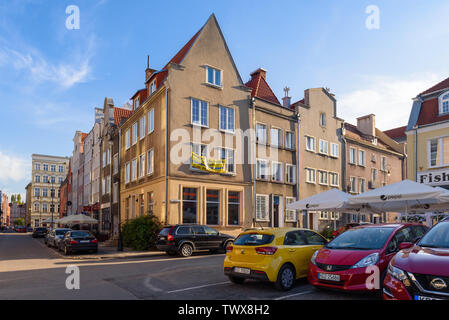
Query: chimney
x=286 y=100
x=148 y=72
x=261 y=72
x=367 y=125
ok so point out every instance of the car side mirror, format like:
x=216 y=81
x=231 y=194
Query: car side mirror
x=405 y=245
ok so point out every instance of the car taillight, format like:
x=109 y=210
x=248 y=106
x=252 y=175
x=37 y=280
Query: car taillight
x=266 y=250
x=73 y=242
x=229 y=249
x=170 y=237
x=94 y=241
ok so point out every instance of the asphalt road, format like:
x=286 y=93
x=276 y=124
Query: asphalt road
x=30 y=270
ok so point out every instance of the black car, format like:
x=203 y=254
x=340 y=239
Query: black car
x=78 y=240
x=39 y=232
x=55 y=236
x=184 y=239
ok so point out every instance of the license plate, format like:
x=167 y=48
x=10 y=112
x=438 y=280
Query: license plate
x=242 y=270
x=329 y=277
x=84 y=241
x=162 y=238
x=423 y=298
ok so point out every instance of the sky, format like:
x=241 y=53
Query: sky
x=51 y=78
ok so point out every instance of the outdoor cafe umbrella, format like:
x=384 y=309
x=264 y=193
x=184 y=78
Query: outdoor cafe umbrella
x=399 y=197
x=77 y=219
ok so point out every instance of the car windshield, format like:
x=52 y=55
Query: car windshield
x=61 y=232
x=361 y=239
x=437 y=237
x=80 y=234
x=253 y=239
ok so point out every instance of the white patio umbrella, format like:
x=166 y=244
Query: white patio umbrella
x=77 y=219
x=399 y=197
x=332 y=199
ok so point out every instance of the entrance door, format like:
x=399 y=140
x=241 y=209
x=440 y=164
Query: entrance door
x=310 y=226
x=278 y=212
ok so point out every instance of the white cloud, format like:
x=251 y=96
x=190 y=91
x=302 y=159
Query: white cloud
x=14 y=168
x=389 y=98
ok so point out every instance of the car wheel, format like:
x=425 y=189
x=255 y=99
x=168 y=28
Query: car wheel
x=171 y=253
x=286 y=278
x=186 y=250
x=236 y=280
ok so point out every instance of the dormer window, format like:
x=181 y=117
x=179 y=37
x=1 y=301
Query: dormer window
x=136 y=103
x=444 y=103
x=152 y=87
x=213 y=76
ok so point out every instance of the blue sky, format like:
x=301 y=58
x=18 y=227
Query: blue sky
x=51 y=78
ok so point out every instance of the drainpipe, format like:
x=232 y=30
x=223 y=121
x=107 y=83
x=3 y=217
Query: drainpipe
x=253 y=105
x=416 y=153
x=298 y=119
x=166 y=155
x=343 y=157
x=120 y=238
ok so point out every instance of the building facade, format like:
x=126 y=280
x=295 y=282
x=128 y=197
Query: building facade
x=428 y=137
x=77 y=173
x=17 y=211
x=65 y=200
x=48 y=172
x=5 y=216
x=371 y=160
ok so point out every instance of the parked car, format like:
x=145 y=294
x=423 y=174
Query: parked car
x=421 y=272
x=29 y=229
x=20 y=229
x=342 y=263
x=39 y=232
x=277 y=255
x=184 y=239
x=55 y=236
x=78 y=240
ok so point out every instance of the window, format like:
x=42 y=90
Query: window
x=228 y=156
x=324 y=215
x=289 y=140
x=213 y=76
x=262 y=208
x=323 y=177
x=134 y=170
x=310 y=143
x=152 y=87
x=352 y=155
x=53 y=179
x=200 y=112
x=150 y=203
x=212 y=207
x=352 y=185
x=53 y=168
x=310 y=175
x=142 y=204
x=45 y=179
x=227 y=121
x=290 y=215
x=127 y=139
x=201 y=150
x=362 y=184
x=134 y=133
x=115 y=193
x=36 y=207
x=151 y=121
x=136 y=103
x=276 y=171
x=322 y=119
x=333 y=177
x=103 y=185
x=115 y=164
x=261 y=133
x=60 y=179
x=38 y=167
x=45 y=167
x=276 y=137
x=335 y=152
x=44 y=207
x=290 y=173
x=324 y=145
x=150 y=162
x=374 y=175
x=142 y=128
x=233 y=208
x=361 y=158
x=439 y=152
x=383 y=163
x=444 y=103
x=37 y=179
x=262 y=169
x=45 y=192
x=141 y=165
x=189 y=205
x=37 y=192
x=127 y=172
x=104 y=160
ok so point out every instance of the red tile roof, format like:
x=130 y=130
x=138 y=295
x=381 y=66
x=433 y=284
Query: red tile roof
x=120 y=114
x=439 y=86
x=354 y=133
x=260 y=87
x=396 y=132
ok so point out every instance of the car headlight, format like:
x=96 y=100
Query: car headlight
x=370 y=260
x=313 y=259
x=397 y=273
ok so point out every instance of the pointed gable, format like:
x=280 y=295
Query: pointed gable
x=438 y=87
x=120 y=114
x=260 y=87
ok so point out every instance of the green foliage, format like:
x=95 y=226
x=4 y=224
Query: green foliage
x=141 y=233
x=20 y=222
x=327 y=233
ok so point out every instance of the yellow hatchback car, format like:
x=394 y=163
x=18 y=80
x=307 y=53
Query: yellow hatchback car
x=278 y=255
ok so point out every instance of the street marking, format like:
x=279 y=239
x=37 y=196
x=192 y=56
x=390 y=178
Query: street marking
x=293 y=295
x=199 y=287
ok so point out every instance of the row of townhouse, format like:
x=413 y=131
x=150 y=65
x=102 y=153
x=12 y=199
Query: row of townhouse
x=200 y=145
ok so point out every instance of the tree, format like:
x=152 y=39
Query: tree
x=13 y=198
x=19 y=198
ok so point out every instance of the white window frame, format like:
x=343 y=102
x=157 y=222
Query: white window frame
x=308 y=171
x=324 y=215
x=280 y=137
x=263 y=141
x=227 y=123
x=360 y=185
x=142 y=127
x=287 y=166
x=323 y=173
x=151 y=121
x=200 y=113
x=134 y=169
x=311 y=138
x=267 y=173
x=263 y=216
x=443 y=101
x=292 y=142
x=360 y=162
x=127 y=172
x=289 y=200
x=281 y=170
x=383 y=163
x=327 y=147
x=128 y=138
x=213 y=83
x=141 y=172
x=335 y=147
x=334 y=174
x=353 y=154
x=134 y=133
x=323 y=119
x=150 y=162
x=152 y=87
x=227 y=150
x=353 y=183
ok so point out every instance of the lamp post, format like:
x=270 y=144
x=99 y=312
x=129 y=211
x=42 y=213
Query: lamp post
x=52 y=208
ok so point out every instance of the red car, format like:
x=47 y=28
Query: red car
x=422 y=271
x=343 y=263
